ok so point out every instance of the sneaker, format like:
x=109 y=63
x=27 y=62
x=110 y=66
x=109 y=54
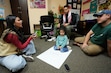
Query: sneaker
x=49 y=40
x=68 y=42
x=54 y=38
x=69 y=47
x=28 y=58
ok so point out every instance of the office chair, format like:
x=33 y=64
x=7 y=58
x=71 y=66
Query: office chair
x=46 y=25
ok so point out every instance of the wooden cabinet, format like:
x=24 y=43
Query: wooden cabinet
x=81 y=27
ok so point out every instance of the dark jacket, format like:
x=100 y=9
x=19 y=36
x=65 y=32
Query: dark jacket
x=73 y=19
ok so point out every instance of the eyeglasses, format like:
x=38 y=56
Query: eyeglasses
x=100 y=15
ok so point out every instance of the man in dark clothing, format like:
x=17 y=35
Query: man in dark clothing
x=67 y=19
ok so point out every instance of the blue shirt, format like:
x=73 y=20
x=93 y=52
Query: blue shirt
x=61 y=41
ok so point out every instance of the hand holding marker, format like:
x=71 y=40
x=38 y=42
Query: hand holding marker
x=35 y=34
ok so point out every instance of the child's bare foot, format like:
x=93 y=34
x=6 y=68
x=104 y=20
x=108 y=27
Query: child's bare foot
x=77 y=44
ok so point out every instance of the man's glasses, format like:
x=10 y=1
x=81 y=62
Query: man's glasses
x=100 y=15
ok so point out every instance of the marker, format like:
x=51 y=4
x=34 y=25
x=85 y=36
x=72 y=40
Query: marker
x=67 y=67
x=35 y=33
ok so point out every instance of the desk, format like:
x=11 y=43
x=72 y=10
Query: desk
x=36 y=27
x=83 y=27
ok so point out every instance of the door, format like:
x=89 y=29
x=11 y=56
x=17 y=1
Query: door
x=20 y=9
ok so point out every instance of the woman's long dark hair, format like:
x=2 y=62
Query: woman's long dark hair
x=10 y=20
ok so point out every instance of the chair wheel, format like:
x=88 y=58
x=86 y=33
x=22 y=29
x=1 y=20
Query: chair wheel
x=41 y=38
x=45 y=39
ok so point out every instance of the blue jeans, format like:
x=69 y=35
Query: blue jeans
x=64 y=49
x=30 y=49
x=15 y=62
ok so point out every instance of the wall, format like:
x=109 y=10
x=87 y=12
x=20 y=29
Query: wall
x=84 y=7
x=6 y=6
x=87 y=6
x=54 y=4
x=34 y=15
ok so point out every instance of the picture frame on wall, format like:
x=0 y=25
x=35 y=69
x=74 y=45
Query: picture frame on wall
x=69 y=1
x=78 y=6
x=37 y=4
x=74 y=0
x=101 y=2
x=74 y=6
x=78 y=1
x=70 y=5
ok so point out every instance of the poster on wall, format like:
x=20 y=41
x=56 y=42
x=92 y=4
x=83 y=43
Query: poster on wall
x=2 y=14
x=37 y=3
x=85 y=12
x=93 y=6
x=106 y=5
x=101 y=1
x=86 y=1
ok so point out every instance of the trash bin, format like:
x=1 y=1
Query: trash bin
x=38 y=33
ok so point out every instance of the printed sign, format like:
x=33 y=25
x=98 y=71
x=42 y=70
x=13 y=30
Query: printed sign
x=2 y=14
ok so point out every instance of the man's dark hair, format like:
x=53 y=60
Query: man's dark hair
x=66 y=6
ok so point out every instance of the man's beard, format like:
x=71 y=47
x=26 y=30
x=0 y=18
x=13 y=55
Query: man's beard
x=103 y=22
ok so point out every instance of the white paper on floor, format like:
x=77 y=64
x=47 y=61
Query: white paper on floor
x=53 y=57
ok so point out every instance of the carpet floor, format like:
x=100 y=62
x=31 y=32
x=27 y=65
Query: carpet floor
x=77 y=61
